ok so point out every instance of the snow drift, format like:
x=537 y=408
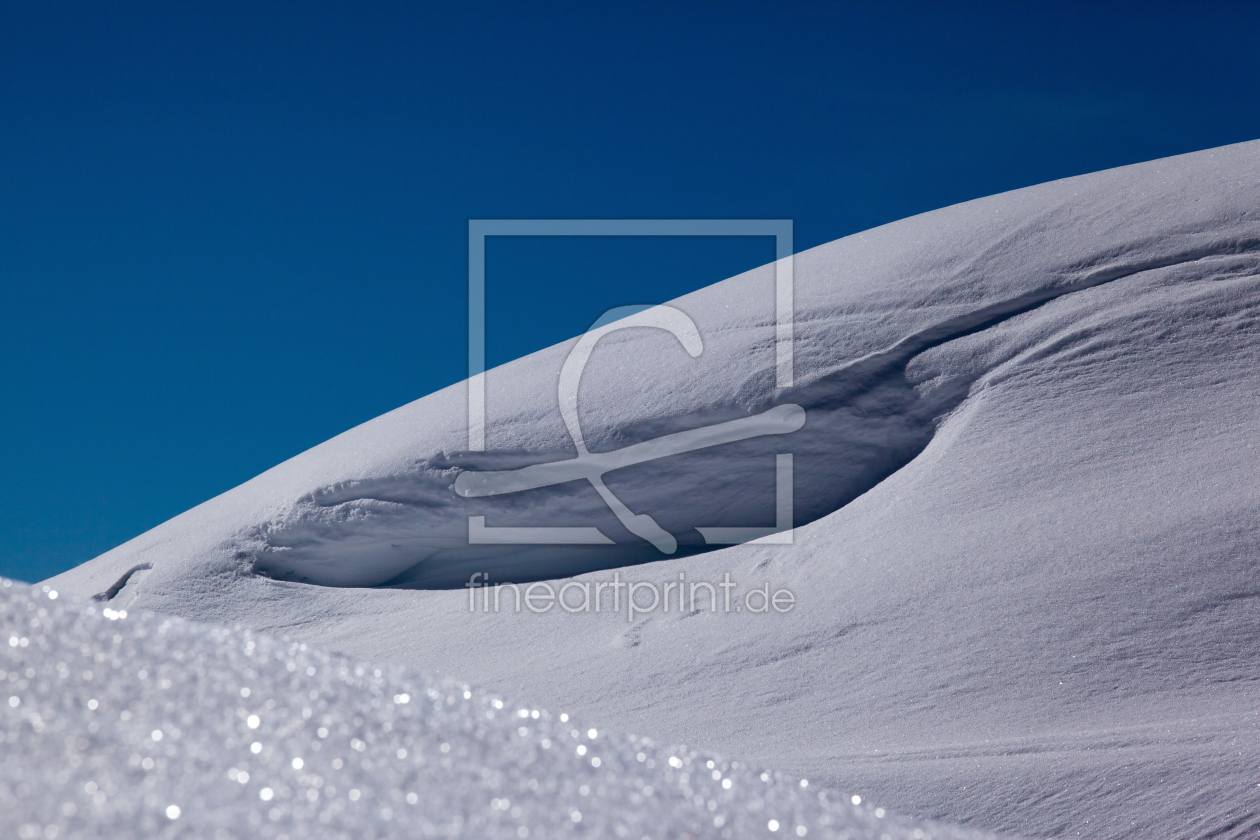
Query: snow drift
x=162 y=728
x=1026 y=557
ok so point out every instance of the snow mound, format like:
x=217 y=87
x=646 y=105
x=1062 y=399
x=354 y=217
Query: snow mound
x=118 y=725
x=382 y=504
x=1027 y=513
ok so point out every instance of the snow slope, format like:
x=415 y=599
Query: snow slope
x=145 y=726
x=1026 y=562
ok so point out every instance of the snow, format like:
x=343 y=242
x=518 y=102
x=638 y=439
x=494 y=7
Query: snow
x=1025 y=557
x=122 y=725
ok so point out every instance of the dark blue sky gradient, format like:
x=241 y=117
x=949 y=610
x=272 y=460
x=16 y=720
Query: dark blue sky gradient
x=229 y=231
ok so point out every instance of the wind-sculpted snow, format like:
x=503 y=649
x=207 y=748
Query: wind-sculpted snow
x=379 y=504
x=1025 y=563
x=121 y=726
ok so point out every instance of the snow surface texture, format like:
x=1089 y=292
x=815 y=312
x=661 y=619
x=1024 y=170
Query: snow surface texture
x=1026 y=568
x=118 y=725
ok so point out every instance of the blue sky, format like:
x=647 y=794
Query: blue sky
x=229 y=231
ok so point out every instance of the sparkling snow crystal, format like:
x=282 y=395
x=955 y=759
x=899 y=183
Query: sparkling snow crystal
x=137 y=725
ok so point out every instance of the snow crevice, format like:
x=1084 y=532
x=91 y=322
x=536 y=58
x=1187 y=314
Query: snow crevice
x=866 y=419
